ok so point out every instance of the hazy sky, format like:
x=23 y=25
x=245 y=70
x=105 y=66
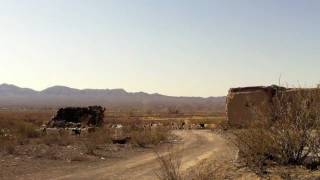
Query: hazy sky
x=173 y=47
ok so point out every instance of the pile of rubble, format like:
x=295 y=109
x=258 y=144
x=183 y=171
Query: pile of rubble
x=75 y=120
x=72 y=117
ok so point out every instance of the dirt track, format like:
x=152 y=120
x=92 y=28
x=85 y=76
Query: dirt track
x=197 y=145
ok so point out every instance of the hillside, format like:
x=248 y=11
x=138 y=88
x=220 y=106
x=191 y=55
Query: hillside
x=57 y=96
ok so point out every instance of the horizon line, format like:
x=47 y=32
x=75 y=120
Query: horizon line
x=82 y=89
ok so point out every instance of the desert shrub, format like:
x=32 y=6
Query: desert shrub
x=90 y=147
x=141 y=138
x=7 y=144
x=27 y=130
x=52 y=153
x=15 y=132
x=145 y=137
x=19 y=128
x=99 y=137
x=210 y=170
x=255 y=147
x=170 y=166
x=22 y=125
x=61 y=139
x=288 y=136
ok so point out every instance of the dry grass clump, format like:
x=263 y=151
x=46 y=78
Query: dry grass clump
x=145 y=137
x=210 y=170
x=170 y=165
x=35 y=117
x=290 y=136
x=15 y=132
x=52 y=153
x=7 y=145
x=170 y=168
x=98 y=137
x=19 y=127
x=61 y=139
x=141 y=133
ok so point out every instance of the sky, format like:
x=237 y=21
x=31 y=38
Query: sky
x=172 y=47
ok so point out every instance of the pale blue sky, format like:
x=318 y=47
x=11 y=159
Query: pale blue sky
x=173 y=47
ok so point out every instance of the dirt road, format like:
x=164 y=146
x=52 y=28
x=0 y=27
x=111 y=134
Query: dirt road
x=197 y=145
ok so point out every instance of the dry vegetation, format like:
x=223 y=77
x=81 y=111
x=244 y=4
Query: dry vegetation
x=289 y=137
x=170 y=165
x=21 y=138
x=280 y=143
x=170 y=168
x=14 y=132
x=143 y=138
x=211 y=170
x=21 y=130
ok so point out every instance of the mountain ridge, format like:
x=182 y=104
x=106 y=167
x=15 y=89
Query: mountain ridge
x=57 y=96
x=60 y=87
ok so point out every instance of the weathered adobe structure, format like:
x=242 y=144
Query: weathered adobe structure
x=91 y=116
x=247 y=104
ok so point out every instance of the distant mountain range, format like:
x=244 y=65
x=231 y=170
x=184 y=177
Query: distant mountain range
x=59 y=96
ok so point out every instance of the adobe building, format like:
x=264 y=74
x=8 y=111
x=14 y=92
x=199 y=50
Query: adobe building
x=247 y=104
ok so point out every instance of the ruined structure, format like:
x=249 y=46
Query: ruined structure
x=244 y=105
x=242 y=101
x=78 y=117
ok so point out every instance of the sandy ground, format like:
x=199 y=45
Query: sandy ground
x=197 y=145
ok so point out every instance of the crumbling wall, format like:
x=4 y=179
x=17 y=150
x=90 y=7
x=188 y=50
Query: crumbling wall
x=244 y=105
x=253 y=104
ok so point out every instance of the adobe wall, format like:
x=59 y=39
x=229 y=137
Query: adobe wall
x=247 y=104
x=243 y=104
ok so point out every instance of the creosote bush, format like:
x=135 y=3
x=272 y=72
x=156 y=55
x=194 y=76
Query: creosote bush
x=289 y=136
